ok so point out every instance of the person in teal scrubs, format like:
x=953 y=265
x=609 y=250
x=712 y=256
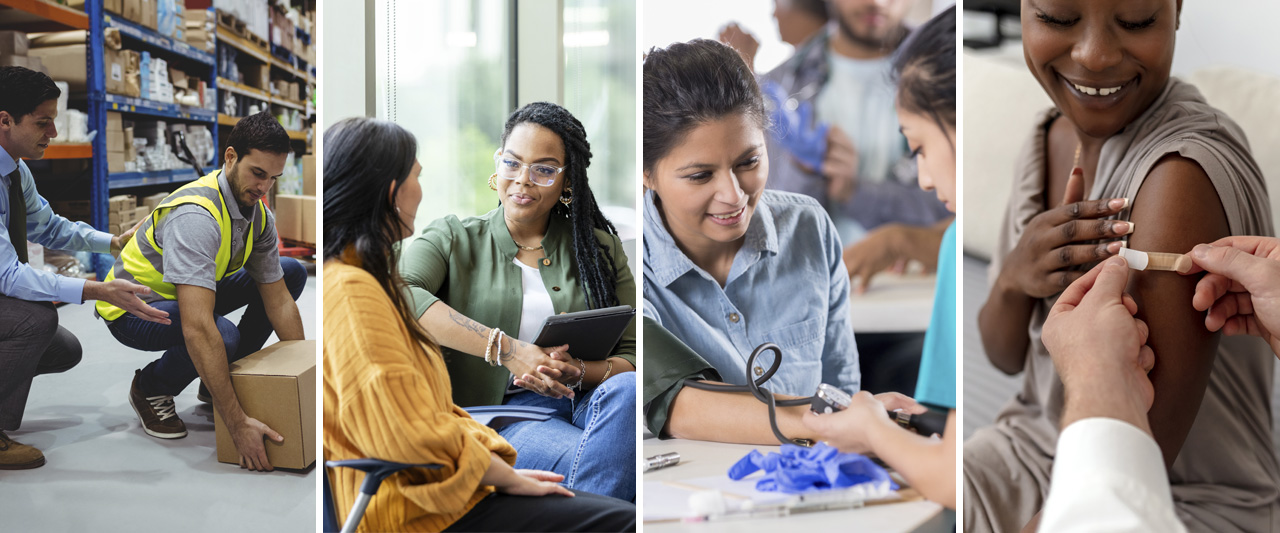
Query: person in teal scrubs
x=926 y=74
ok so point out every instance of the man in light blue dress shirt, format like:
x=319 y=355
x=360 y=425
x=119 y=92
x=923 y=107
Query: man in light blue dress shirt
x=31 y=341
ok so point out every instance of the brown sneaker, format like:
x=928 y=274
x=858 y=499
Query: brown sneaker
x=156 y=413
x=17 y=456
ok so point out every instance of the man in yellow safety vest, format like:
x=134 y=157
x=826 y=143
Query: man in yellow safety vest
x=209 y=249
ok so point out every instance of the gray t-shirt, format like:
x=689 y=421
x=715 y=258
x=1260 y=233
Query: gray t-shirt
x=190 y=238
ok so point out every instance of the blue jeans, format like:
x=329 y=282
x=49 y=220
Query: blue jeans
x=590 y=440
x=173 y=371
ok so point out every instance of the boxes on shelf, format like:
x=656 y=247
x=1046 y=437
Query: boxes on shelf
x=79 y=210
x=309 y=174
x=289 y=216
x=64 y=63
x=131 y=10
x=276 y=386
x=151 y=202
x=149 y=15
x=115 y=142
x=308 y=219
x=199 y=27
x=13 y=43
x=114 y=6
x=282 y=31
x=258 y=76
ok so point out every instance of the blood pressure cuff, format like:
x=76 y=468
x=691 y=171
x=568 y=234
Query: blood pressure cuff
x=798 y=469
x=793 y=127
x=667 y=363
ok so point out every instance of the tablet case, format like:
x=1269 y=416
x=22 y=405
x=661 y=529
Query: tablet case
x=591 y=335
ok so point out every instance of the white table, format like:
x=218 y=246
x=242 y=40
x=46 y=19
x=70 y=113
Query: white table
x=894 y=303
x=702 y=459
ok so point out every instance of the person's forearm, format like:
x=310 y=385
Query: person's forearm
x=1002 y=323
x=596 y=370
x=286 y=320
x=1105 y=397
x=208 y=355
x=499 y=473
x=456 y=331
x=731 y=417
x=927 y=464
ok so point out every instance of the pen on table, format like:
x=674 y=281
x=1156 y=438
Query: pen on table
x=661 y=461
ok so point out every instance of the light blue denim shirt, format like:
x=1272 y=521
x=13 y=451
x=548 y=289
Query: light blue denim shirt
x=18 y=280
x=788 y=285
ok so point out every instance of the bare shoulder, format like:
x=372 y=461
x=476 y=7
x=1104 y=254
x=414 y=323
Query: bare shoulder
x=1176 y=208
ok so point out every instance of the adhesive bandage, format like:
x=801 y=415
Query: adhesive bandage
x=1156 y=260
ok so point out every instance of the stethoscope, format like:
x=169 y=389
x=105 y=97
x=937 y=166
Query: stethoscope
x=826 y=399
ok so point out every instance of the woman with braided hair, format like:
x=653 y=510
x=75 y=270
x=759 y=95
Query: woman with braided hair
x=482 y=287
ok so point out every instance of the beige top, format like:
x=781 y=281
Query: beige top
x=1227 y=459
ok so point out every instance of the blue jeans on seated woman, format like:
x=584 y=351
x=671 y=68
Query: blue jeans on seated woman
x=590 y=440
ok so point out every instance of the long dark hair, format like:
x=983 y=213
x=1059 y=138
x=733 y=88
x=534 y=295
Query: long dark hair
x=924 y=69
x=689 y=84
x=596 y=268
x=363 y=159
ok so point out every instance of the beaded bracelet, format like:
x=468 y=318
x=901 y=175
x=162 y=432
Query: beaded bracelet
x=488 y=348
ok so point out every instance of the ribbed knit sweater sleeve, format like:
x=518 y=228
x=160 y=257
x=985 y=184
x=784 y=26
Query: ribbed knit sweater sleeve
x=393 y=401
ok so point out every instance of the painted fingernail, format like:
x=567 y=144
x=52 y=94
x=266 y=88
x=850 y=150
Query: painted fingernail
x=1122 y=228
x=1119 y=203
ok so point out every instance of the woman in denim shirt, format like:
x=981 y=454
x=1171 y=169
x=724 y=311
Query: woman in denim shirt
x=728 y=265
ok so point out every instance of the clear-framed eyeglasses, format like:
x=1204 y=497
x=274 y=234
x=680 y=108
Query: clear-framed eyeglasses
x=509 y=168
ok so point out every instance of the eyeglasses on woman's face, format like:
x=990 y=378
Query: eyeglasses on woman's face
x=509 y=168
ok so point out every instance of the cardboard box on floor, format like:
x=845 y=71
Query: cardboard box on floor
x=288 y=209
x=277 y=386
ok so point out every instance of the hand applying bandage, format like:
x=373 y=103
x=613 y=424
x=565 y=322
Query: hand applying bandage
x=1099 y=349
x=1241 y=291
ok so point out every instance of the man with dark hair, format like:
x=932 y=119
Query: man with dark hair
x=31 y=341
x=207 y=250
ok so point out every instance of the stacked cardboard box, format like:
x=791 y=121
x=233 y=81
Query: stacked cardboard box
x=14 y=52
x=115 y=142
x=296 y=217
x=199 y=27
x=309 y=175
x=282 y=30
x=123 y=213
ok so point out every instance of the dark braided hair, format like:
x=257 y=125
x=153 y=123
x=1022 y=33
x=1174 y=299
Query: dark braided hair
x=596 y=268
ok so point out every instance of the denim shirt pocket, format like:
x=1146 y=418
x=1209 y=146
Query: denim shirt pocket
x=801 y=367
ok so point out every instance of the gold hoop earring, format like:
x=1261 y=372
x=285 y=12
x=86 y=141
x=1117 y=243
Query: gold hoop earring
x=493 y=181
x=569 y=200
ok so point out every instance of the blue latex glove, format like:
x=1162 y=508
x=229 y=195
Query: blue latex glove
x=799 y=469
x=795 y=130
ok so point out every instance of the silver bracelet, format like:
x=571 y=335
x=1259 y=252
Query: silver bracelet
x=583 y=366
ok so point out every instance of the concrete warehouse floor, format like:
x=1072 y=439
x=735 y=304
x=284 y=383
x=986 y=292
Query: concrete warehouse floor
x=104 y=474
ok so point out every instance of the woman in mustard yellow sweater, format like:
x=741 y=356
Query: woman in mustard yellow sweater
x=387 y=393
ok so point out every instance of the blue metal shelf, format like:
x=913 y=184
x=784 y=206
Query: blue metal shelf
x=125 y=104
x=122 y=180
x=159 y=41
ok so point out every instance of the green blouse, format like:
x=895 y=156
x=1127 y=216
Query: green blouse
x=469 y=265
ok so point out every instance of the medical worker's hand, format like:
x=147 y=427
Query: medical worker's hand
x=118 y=242
x=1039 y=265
x=1099 y=349
x=1242 y=289
x=855 y=428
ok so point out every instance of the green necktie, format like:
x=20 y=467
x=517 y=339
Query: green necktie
x=17 y=216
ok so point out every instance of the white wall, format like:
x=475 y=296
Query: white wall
x=672 y=21
x=1240 y=33
x=342 y=85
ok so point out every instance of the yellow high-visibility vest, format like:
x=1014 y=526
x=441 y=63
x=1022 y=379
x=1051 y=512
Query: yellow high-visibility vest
x=140 y=260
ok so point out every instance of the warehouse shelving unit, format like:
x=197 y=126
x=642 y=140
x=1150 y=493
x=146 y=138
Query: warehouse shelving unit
x=176 y=52
x=39 y=16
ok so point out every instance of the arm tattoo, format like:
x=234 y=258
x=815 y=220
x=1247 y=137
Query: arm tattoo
x=510 y=352
x=470 y=325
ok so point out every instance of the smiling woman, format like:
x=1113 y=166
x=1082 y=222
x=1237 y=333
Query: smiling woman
x=1128 y=153
x=729 y=265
